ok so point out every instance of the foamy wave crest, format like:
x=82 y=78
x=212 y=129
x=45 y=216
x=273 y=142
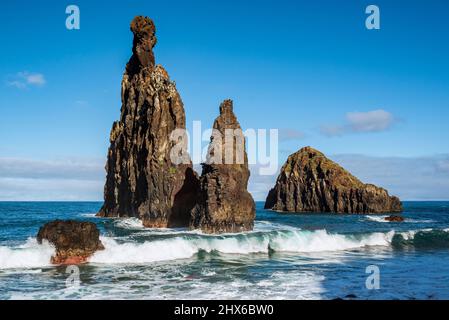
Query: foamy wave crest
x=321 y=240
x=32 y=255
x=280 y=241
x=29 y=255
x=425 y=238
x=135 y=224
x=174 y=248
x=149 y=251
x=378 y=218
x=129 y=223
x=89 y=215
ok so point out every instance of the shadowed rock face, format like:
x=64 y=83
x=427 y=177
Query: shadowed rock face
x=224 y=204
x=141 y=179
x=144 y=32
x=309 y=182
x=74 y=241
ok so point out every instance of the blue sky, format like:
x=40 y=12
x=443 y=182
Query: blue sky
x=311 y=69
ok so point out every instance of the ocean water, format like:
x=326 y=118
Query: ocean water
x=287 y=256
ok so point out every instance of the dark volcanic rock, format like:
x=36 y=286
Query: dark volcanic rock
x=395 y=218
x=224 y=203
x=144 y=32
x=75 y=241
x=309 y=182
x=142 y=181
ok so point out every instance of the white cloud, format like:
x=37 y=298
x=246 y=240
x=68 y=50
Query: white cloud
x=416 y=178
x=443 y=165
x=371 y=121
x=17 y=84
x=25 y=79
x=78 y=169
x=37 y=180
x=35 y=79
x=356 y=122
x=258 y=184
x=18 y=189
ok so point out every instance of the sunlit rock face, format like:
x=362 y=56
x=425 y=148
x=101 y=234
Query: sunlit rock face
x=142 y=179
x=224 y=203
x=310 y=182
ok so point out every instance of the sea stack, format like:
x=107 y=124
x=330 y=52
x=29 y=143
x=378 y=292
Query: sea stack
x=142 y=180
x=75 y=241
x=224 y=203
x=310 y=182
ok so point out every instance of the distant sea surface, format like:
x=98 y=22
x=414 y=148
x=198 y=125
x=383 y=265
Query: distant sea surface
x=287 y=256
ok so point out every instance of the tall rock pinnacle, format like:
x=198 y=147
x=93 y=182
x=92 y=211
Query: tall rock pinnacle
x=142 y=181
x=224 y=203
x=310 y=182
x=144 y=32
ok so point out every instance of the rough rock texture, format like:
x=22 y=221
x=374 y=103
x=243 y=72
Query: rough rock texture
x=224 y=204
x=309 y=182
x=395 y=218
x=75 y=241
x=141 y=179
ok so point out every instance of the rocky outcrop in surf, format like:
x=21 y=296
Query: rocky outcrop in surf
x=394 y=218
x=224 y=203
x=74 y=241
x=310 y=182
x=142 y=180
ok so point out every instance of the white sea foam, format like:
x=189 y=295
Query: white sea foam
x=89 y=215
x=167 y=283
x=174 y=248
x=377 y=218
x=321 y=240
x=408 y=235
x=280 y=241
x=129 y=223
x=271 y=226
x=28 y=255
x=32 y=255
x=135 y=224
x=149 y=251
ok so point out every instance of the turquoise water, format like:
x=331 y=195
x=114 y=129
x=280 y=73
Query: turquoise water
x=287 y=256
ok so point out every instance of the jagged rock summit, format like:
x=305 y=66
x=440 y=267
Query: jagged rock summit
x=224 y=203
x=142 y=181
x=310 y=182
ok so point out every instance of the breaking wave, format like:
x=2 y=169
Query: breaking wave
x=184 y=247
x=377 y=218
x=428 y=238
x=187 y=245
x=29 y=255
x=294 y=241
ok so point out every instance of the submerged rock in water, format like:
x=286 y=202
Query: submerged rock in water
x=395 y=218
x=224 y=203
x=310 y=182
x=142 y=180
x=74 y=241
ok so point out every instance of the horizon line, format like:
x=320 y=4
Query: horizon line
x=3 y=201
